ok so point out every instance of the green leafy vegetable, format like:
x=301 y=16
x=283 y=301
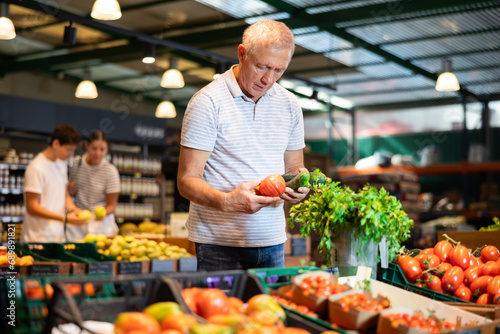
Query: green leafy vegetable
x=371 y=213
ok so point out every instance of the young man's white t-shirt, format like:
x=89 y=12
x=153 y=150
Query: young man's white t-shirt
x=48 y=179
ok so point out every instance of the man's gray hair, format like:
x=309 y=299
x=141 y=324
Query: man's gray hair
x=268 y=33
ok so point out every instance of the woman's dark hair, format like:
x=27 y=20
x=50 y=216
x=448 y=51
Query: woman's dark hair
x=67 y=134
x=97 y=135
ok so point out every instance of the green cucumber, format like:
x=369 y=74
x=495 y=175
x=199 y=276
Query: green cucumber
x=315 y=178
x=300 y=180
x=288 y=177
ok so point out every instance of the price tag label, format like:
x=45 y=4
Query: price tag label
x=44 y=269
x=133 y=196
x=130 y=267
x=187 y=264
x=162 y=266
x=100 y=268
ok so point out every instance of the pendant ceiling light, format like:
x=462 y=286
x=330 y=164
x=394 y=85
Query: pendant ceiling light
x=172 y=78
x=165 y=109
x=106 y=10
x=447 y=81
x=7 y=30
x=86 y=88
x=149 y=54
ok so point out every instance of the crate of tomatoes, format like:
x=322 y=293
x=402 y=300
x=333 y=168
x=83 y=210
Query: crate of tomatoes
x=450 y=272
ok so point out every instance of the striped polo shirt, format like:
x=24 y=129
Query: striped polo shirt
x=248 y=141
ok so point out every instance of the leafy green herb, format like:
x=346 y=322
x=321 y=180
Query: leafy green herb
x=371 y=213
x=494 y=226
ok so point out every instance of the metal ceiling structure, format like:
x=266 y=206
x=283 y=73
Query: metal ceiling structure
x=376 y=54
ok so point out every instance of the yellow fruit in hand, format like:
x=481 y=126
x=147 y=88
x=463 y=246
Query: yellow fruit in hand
x=100 y=212
x=84 y=214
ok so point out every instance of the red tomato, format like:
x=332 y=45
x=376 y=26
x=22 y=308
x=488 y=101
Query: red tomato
x=460 y=256
x=481 y=284
x=189 y=296
x=410 y=267
x=484 y=299
x=452 y=279
x=442 y=250
x=273 y=185
x=463 y=293
x=427 y=251
x=434 y=284
x=211 y=301
x=427 y=260
x=489 y=253
x=474 y=261
x=470 y=274
x=442 y=268
x=494 y=286
x=490 y=268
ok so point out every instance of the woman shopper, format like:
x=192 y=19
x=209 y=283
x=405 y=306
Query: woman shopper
x=95 y=182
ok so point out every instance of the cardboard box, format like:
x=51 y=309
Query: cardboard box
x=401 y=298
x=178 y=224
x=473 y=239
x=181 y=242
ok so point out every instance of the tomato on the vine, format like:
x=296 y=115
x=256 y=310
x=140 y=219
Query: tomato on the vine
x=434 y=284
x=427 y=251
x=428 y=261
x=452 y=279
x=480 y=284
x=490 y=268
x=410 y=267
x=442 y=250
x=494 y=286
x=489 y=253
x=463 y=293
x=442 y=268
x=484 y=299
x=470 y=274
x=460 y=256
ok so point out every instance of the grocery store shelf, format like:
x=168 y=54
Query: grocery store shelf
x=10 y=166
x=6 y=191
x=451 y=168
x=11 y=219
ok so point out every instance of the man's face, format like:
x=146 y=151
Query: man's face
x=65 y=151
x=261 y=70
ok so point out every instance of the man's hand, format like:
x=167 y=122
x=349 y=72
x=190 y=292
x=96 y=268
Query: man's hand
x=72 y=218
x=242 y=199
x=295 y=196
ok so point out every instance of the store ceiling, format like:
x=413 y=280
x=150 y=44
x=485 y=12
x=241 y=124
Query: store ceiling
x=375 y=54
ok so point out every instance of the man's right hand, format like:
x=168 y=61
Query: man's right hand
x=242 y=199
x=72 y=218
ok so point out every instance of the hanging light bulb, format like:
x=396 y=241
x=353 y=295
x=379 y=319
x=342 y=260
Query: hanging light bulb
x=165 y=109
x=86 y=89
x=7 y=30
x=172 y=78
x=447 y=81
x=106 y=10
x=149 y=54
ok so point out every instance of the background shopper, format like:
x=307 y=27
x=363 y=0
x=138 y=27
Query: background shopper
x=49 y=208
x=95 y=182
x=236 y=131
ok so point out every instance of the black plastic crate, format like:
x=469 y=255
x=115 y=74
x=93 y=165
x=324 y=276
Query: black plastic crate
x=123 y=294
x=235 y=283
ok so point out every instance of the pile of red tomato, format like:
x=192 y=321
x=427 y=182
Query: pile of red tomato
x=361 y=302
x=454 y=270
x=418 y=321
x=320 y=286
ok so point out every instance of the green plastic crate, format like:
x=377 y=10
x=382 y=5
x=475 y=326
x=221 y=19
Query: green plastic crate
x=30 y=314
x=87 y=251
x=275 y=277
x=394 y=276
x=54 y=252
